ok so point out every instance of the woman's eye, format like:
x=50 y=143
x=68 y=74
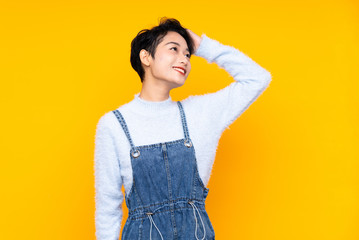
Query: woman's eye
x=175 y=48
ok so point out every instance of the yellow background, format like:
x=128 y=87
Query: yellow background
x=286 y=169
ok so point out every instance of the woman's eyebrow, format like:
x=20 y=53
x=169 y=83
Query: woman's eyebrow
x=176 y=44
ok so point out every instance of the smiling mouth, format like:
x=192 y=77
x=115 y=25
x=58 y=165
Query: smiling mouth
x=183 y=72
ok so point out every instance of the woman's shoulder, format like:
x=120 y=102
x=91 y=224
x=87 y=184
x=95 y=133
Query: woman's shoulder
x=109 y=119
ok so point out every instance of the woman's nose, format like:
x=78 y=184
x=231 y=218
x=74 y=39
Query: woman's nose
x=184 y=59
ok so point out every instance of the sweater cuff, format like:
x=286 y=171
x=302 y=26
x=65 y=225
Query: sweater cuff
x=207 y=48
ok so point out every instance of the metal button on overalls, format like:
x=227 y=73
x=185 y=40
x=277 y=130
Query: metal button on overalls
x=167 y=198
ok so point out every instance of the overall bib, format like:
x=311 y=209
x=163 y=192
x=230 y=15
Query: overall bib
x=167 y=194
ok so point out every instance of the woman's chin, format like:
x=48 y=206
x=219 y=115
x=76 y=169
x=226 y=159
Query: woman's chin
x=180 y=84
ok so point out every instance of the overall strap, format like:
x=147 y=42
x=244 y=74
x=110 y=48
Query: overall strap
x=188 y=141
x=122 y=121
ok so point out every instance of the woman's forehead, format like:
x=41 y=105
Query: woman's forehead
x=174 y=38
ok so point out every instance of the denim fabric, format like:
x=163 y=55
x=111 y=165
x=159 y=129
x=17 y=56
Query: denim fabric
x=167 y=198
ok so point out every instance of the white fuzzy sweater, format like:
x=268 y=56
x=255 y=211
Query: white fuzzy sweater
x=154 y=122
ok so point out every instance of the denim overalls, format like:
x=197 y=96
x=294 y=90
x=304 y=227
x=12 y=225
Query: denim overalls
x=167 y=192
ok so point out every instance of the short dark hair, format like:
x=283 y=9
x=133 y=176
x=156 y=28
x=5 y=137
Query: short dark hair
x=149 y=39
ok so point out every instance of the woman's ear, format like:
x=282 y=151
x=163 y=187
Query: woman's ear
x=145 y=57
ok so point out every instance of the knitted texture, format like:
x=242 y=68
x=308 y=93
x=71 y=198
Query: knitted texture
x=149 y=122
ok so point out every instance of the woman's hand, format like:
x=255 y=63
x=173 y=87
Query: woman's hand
x=196 y=39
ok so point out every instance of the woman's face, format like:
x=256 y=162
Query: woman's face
x=171 y=54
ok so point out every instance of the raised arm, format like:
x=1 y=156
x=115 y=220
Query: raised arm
x=108 y=183
x=221 y=108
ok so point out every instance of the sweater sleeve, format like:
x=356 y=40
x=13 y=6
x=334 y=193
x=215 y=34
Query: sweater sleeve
x=219 y=109
x=108 y=183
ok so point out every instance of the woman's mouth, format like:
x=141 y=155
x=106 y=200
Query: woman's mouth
x=180 y=70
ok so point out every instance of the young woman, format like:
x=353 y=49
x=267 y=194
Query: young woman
x=161 y=150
